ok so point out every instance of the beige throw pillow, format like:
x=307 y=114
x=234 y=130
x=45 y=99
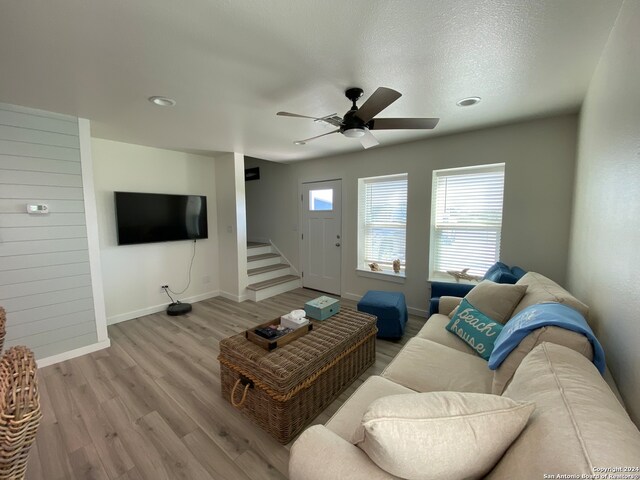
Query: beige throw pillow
x=440 y=435
x=496 y=300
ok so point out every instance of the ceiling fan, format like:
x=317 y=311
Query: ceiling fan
x=358 y=122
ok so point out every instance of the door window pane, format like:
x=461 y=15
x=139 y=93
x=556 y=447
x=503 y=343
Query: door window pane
x=321 y=199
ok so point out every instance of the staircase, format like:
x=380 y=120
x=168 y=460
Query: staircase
x=268 y=273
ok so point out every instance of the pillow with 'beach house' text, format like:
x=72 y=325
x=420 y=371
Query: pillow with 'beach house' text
x=475 y=328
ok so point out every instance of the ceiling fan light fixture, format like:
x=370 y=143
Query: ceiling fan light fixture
x=469 y=101
x=162 y=101
x=361 y=122
x=354 y=132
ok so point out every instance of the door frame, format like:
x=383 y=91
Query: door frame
x=343 y=235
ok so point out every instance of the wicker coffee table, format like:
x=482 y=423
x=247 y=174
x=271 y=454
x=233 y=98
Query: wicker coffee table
x=283 y=390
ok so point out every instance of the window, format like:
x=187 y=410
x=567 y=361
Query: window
x=321 y=200
x=466 y=219
x=382 y=222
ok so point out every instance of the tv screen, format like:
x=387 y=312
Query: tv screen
x=158 y=217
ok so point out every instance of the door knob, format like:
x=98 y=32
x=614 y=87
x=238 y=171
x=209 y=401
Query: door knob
x=337 y=244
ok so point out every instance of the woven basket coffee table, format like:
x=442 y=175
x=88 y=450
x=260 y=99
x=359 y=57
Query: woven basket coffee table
x=283 y=390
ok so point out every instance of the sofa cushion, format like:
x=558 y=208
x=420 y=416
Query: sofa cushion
x=435 y=330
x=426 y=366
x=495 y=300
x=560 y=336
x=578 y=423
x=346 y=421
x=448 y=305
x=540 y=289
x=441 y=434
x=319 y=454
x=475 y=328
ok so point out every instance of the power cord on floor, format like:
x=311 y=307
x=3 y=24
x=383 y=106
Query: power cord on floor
x=167 y=290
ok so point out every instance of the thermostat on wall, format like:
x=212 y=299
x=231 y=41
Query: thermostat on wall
x=32 y=208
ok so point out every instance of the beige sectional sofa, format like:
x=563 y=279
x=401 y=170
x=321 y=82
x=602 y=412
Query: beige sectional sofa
x=579 y=424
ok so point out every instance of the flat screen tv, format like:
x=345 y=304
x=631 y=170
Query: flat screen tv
x=159 y=217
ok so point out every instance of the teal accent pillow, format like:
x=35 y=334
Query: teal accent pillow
x=475 y=328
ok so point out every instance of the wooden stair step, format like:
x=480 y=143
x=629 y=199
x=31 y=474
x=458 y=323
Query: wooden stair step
x=262 y=256
x=272 y=282
x=268 y=268
x=257 y=245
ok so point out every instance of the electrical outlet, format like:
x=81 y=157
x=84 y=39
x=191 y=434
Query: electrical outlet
x=162 y=287
x=206 y=279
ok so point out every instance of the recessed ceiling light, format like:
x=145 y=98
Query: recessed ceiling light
x=467 y=102
x=162 y=101
x=299 y=142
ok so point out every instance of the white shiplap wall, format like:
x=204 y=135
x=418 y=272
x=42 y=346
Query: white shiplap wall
x=45 y=275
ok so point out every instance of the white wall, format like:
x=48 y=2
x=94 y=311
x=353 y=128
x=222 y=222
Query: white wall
x=275 y=184
x=232 y=231
x=604 y=261
x=133 y=274
x=539 y=157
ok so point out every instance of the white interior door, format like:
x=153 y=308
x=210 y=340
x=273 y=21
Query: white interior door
x=321 y=236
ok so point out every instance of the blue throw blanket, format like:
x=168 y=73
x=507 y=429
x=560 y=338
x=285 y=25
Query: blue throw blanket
x=542 y=315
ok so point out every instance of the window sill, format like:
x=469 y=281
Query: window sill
x=450 y=279
x=384 y=276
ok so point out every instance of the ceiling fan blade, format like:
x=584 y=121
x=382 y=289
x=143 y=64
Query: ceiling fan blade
x=332 y=119
x=288 y=114
x=378 y=101
x=404 y=123
x=302 y=142
x=368 y=140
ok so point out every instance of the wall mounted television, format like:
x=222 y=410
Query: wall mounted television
x=159 y=217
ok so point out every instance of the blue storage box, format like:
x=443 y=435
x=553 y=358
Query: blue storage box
x=322 y=308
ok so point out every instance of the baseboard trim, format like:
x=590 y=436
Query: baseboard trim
x=123 y=317
x=351 y=296
x=233 y=297
x=78 y=352
x=418 y=312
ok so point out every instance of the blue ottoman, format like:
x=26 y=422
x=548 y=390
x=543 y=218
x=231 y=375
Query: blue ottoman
x=391 y=310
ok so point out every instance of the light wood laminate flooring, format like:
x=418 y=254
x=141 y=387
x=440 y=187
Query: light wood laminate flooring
x=149 y=407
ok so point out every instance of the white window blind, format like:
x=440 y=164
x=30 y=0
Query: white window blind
x=382 y=221
x=466 y=219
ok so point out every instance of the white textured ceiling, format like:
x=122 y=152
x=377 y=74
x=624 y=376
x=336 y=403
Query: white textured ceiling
x=232 y=64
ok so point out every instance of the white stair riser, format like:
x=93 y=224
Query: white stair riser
x=261 y=277
x=263 y=263
x=263 y=294
x=259 y=250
